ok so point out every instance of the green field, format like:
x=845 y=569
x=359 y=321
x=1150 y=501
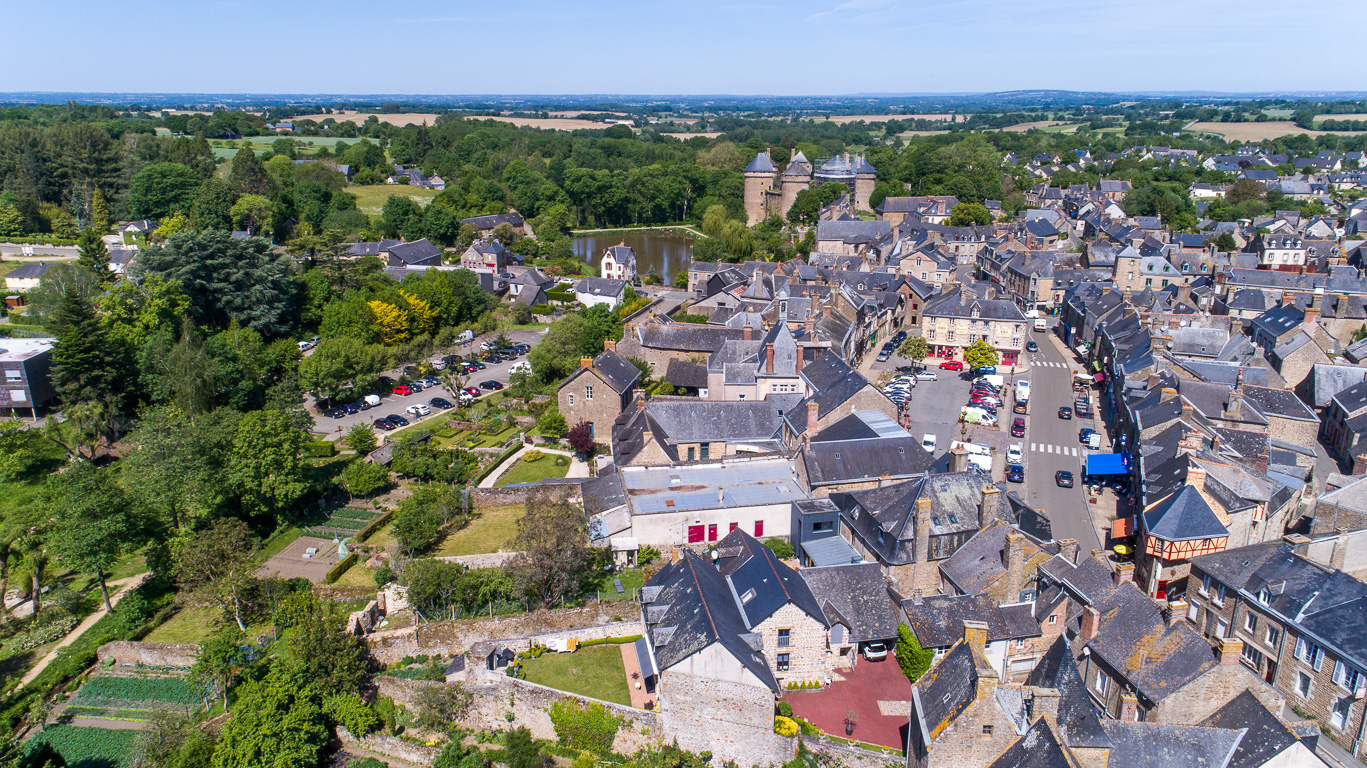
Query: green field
x=595 y=671
x=370 y=198
x=533 y=471
x=89 y=747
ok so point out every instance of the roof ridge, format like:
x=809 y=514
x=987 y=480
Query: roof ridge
x=698 y=585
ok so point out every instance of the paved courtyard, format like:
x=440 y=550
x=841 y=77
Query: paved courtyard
x=877 y=692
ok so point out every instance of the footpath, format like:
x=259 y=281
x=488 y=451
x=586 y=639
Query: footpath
x=126 y=585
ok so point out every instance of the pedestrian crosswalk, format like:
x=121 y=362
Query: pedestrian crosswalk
x=1062 y=450
x=1048 y=364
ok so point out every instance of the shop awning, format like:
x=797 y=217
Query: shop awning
x=1108 y=464
x=1100 y=377
x=1122 y=528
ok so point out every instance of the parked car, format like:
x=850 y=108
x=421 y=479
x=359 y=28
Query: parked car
x=305 y=346
x=488 y=346
x=986 y=370
x=1015 y=473
x=491 y=385
x=884 y=354
x=440 y=402
x=1031 y=346
x=1064 y=478
x=1015 y=454
x=876 y=650
x=951 y=365
x=410 y=371
x=471 y=391
x=1019 y=407
x=1018 y=427
x=351 y=408
x=926 y=376
x=1065 y=413
x=398 y=420
x=928 y=441
x=1085 y=434
x=418 y=410
x=382 y=424
x=439 y=364
x=899 y=337
x=403 y=389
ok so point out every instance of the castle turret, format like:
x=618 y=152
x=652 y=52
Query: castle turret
x=796 y=177
x=865 y=178
x=761 y=179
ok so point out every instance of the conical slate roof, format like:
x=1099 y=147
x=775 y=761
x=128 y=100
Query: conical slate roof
x=761 y=164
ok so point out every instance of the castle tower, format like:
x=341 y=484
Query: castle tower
x=865 y=178
x=761 y=177
x=796 y=177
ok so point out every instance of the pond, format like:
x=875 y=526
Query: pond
x=667 y=252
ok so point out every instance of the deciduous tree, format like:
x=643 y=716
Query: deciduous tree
x=980 y=354
x=267 y=467
x=914 y=349
x=553 y=548
x=95 y=523
x=215 y=566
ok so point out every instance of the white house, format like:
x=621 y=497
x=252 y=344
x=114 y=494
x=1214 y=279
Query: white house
x=619 y=263
x=592 y=291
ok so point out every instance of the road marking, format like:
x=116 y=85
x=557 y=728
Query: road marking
x=1074 y=450
x=1051 y=449
x=1032 y=447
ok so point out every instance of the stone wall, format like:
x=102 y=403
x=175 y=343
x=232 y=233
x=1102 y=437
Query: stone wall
x=407 y=751
x=733 y=721
x=149 y=654
x=340 y=594
x=482 y=498
x=489 y=560
x=853 y=757
x=496 y=696
x=451 y=637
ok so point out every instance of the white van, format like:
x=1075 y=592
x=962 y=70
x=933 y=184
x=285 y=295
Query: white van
x=372 y=400
x=1041 y=324
x=522 y=367
x=465 y=337
x=1022 y=391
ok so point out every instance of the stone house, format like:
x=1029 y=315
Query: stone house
x=1280 y=252
x=597 y=392
x=1000 y=561
x=859 y=608
x=954 y=320
x=419 y=253
x=835 y=390
x=487 y=254
x=592 y=291
x=850 y=238
x=1345 y=423
x=660 y=341
x=486 y=225
x=937 y=622
x=1297 y=623
x=907 y=528
x=864 y=450
x=957 y=716
x=744 y=617
x=661 y=432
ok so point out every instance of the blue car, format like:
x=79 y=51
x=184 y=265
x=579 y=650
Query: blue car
x=986 y=370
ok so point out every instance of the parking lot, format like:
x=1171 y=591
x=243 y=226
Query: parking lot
x=394 y=404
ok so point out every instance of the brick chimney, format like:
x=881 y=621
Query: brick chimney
x=1091 y=622
x=1043 y=701
x=1360 y=464
x=1129 y=708
x=1123 y=572
x=1067 y=549
x=585 y=362
x=1288 y=298
x=1196 y=474
x=1230 y=650
x=801 y=353
x=1300 y=543
x=811 y=417
x=922 y=529
x=988 y=511
x=609 y=345
x=1312 y=319
x=749 y=333
x=1014 y=557
x=769 y=358
x=811 y=325
x=1166 y=393
x=975 y=634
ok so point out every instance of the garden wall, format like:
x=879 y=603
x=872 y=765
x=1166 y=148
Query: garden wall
x=517 y=631
x=407 y=751
x=733 y=721
x=149 y=654
x=489 y=560
x=481 y=498
x=853 y=757
x=497 y=696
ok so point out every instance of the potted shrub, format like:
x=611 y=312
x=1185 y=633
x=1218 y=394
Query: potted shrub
x=851 y=719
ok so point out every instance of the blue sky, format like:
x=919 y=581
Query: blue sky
x=696 y=46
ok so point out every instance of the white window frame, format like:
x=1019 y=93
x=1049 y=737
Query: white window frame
x=1304 y=681
x=588 y=391
x=1101 y=683
x=571 y=399
x=1250 y=621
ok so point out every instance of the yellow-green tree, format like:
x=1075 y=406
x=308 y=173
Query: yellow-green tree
x=422 y=318
x=393 y=322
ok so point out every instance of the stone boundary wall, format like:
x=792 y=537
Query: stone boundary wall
x=496 y=695
x=488 y=560
x=407 y=751
x=854 y=757
x=501 y=497
x=149 y=654
x=518 y=631
x=340 y=594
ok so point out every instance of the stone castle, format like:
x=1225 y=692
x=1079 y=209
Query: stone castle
x=771 y=193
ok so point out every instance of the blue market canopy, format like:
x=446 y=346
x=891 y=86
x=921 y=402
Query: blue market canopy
x=1108 y=464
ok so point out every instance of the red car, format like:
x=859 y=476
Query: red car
x=472 y=391
x=951 y=365
x=403 y=389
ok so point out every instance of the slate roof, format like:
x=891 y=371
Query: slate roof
x=955 y=499
x=1078 y=723
x=603 y=492
x=600 y=286
x=979 y=563
x=751 y=566
x=1265 y=738
x=684 y=373
x=1183 y=516
x=761 y=164
x=857 y=596
x=1145 y=745
x=613 y=369
x=1134 y=639
x=863 y=445
x=944 y=691
x=415 y=252
x=694 y=608
x=1039 y=747
x=853 y=232
x=31 y=271
x=938 y=622
x=687 y=337
x=493 y=220
x=1352 y=400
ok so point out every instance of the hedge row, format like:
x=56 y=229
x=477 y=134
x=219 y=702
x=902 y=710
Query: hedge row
x=610 y=641
x=502 y=457
x=342 y=567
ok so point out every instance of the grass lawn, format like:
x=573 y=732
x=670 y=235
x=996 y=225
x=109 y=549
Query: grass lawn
x=532 y=471
x=370 y=198
x=357 y=576
x=195 y=624
x=491 y=529
x=595 y=671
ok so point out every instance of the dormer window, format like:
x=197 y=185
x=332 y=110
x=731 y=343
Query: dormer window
x=748 y=595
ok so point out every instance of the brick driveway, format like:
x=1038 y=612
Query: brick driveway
x=871 y=689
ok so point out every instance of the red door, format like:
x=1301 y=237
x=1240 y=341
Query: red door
x=759 y=528
x=733 y=527
x=695 y=533
x=712 y=532
x=1162 y=590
